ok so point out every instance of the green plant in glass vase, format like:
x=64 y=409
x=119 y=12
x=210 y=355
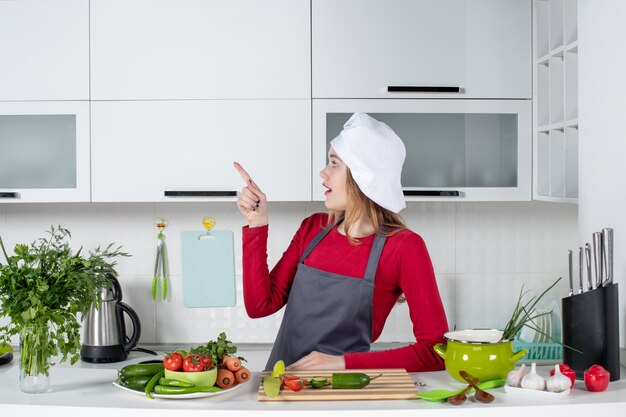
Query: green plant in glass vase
x=45 y=289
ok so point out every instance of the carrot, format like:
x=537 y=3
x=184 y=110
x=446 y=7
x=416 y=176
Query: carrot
x=232 y=363
x=225 y=378
x=242 y=375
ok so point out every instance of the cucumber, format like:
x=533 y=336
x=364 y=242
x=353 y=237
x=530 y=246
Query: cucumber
x=351 y=380
x=148 y=369
x=137 y=383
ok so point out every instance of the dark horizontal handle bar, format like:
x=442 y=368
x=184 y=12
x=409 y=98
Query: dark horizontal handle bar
x=200 y=193
x=421 y=89
x=431 y=193
x=10 y=194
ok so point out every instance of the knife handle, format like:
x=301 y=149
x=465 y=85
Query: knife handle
x=581 y=268
x=597 y=257
x=607 y=246
x=588 y=261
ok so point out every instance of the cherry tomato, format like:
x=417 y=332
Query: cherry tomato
x=294 y=384
x=597 y=378
x=568 y=372
x=205 y=361
x=191 y=364
x=173 y=361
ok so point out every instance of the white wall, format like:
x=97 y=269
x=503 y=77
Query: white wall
x=482 y=254
x=602 y=143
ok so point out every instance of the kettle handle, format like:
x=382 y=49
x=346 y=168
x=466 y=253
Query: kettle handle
x=116 y=287
x=134 y=318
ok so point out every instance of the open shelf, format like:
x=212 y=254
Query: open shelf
x=556 y=101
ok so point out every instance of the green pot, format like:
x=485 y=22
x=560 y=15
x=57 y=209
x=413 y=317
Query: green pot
x=481 y=353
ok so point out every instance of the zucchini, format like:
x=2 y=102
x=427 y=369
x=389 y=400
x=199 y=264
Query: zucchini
x=147 y=369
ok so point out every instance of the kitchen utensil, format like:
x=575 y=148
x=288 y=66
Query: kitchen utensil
x=581 y=268
x=480 y=352
x=588 y=261
x=437 y=395
x=104 y=332
x=460 y=398
x=394 y=384
x=607 y=245
x=208 y=268
x=201 y=379
x=597 y=258
x=570 y=263
x=160 y=263
x=482 y=396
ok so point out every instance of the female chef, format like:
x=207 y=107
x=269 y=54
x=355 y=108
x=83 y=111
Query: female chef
x=344 y=271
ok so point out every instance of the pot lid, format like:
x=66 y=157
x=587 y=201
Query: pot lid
x=477 y=336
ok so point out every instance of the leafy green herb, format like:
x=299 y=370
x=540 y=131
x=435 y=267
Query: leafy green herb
x=217 y=349
x=44 y=288
x=524 y=314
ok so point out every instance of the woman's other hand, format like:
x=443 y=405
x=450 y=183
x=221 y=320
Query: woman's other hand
x=251 y=202
x=318 y=361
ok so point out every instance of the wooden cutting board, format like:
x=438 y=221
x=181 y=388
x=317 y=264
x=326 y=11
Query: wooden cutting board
x=394 y=384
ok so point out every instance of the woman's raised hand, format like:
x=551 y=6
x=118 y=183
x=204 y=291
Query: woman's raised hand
x=251 y=202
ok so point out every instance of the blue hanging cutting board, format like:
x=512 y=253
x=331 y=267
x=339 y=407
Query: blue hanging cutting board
x=208 y=268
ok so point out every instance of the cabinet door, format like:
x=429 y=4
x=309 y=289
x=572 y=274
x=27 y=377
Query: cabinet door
x=186 y=49
x=362 y=47
x=456 y=150
x=145 y=149
x=44 y=151
x=44 y=49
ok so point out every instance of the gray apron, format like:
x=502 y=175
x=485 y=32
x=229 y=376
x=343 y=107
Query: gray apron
x=327 y=312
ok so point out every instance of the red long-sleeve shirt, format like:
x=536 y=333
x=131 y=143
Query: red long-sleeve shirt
x=404 y=267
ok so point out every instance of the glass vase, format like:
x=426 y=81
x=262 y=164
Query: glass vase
x=34 y=361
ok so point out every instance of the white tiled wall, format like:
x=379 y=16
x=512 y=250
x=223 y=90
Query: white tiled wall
x=482 y=254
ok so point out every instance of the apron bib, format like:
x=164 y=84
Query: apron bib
x=326 y=312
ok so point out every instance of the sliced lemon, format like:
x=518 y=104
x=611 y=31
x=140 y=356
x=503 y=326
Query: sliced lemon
x=279 y=368
x=208 y=223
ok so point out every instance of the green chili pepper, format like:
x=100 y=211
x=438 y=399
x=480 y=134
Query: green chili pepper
x=175 y=383
x=152 y=383
x=169 y=390
x=351 y=380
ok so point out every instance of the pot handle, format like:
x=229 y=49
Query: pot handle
x=518 y=355
x=440 y=349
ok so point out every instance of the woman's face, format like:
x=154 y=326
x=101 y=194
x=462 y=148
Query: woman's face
x=335 y=176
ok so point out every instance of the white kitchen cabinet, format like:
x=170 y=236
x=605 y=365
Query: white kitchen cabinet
x=456 y=150
x=44 y=49
x=44 y=151
x=555 y=132
x=360 y=48
x=200 y=49
x=184 y=150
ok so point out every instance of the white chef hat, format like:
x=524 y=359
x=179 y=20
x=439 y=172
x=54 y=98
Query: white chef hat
x=375 y=155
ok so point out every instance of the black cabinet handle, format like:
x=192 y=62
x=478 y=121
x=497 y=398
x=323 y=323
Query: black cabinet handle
x=200 y=193
x=431 y=193
x=422 y=89
x=8 y=194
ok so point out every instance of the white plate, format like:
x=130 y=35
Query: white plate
x=556 y=320
x=533 y=393
x=179 y=396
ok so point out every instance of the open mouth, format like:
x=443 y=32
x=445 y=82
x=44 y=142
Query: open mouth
x=328 y=189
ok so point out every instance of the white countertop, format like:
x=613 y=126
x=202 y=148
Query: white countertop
x=86 y=390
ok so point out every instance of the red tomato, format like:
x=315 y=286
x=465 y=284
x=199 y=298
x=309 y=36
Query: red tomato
x=568 y=372
x=294 y=384
x=173 y=361
x=597 y=378
x=191 y=364
x=205 y=361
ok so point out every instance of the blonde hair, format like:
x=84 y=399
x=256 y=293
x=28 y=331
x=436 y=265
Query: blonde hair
x=385 y=222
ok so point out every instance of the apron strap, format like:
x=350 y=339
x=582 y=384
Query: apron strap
x=313 y=243
x=372 y=262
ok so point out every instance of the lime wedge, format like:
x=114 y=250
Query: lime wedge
x=271 y=386
x=279 y=368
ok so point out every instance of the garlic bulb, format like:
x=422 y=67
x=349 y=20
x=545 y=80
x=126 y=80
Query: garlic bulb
x=514 y=378
x=558 y=382
x=533 y=380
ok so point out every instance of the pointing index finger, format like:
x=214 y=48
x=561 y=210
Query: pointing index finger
x=244 y=175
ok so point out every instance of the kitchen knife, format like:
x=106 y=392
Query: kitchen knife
x=571 y=273
x=581 y=268
x=607 y=246
x=588 y=261
x=597 y=258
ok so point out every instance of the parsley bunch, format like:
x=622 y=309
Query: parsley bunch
x=44 y=288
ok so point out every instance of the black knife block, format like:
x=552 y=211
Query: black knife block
x=591 y=325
